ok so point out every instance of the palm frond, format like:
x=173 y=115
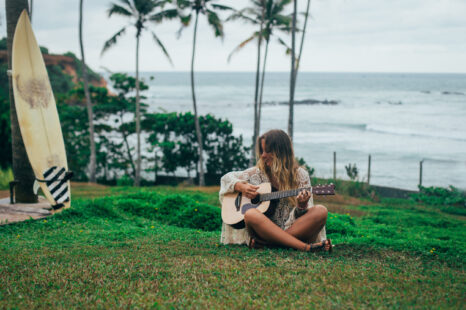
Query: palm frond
x=183 y=4
x=242 y=44
x=113 y=40
x=162 y=47
x=119 y=10
x=242 y=16
x=287 y=48
x=222 y=7
x=215 y=22
x=186 y=20
x=144 y=7
x=129 y=4
x=167 y=14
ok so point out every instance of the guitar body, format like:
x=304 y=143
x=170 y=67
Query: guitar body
x=235 y=205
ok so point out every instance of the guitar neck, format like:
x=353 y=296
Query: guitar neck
x=283 y=194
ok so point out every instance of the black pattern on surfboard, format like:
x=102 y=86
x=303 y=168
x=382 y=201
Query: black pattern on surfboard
x=56 y=180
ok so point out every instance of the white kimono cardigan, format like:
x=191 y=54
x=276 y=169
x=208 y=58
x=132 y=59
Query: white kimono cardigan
x=285 y=214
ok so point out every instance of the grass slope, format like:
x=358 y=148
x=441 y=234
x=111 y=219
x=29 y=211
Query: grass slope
x=103 y=253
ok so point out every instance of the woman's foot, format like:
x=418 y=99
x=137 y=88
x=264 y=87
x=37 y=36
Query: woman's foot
x=256 y=243
x=325 y=246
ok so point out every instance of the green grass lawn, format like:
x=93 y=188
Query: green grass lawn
x=123 y=251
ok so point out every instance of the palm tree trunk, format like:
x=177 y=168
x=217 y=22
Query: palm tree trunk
x=22 y=170
x=90 y=116
x=137 y=179
x=30 y=11
x=298 y=59
x=196 y=118
x=256 y=93
x=292 y=75
x=128 y=149
x=262 y=83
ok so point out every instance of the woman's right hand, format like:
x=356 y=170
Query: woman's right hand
x=248 y=190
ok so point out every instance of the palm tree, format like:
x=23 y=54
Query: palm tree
x=269 y=14
x=296 y=61
x=292 y=75
x=140 y=12
x=30 y=10
x=207 y=8
x=303 y=35
x=21 y=167
x=88 y=97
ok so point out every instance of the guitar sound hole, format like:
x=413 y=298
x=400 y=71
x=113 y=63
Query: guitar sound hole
x=255 y=200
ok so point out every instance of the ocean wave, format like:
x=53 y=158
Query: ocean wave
x=453 y=93
x=304 y=102
x=409 y=132
x=399 y=102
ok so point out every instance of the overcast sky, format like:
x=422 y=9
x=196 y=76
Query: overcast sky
x=343 y=36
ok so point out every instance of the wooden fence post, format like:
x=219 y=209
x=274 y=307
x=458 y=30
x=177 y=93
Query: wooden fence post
x=334 y=166
x=369 y=171
x=420 y=172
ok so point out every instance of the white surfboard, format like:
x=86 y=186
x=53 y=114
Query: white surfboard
x=38 y=116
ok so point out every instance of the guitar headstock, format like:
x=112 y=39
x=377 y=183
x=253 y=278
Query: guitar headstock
x=326 y=189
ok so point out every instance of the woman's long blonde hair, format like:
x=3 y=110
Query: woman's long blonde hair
x=284 y=167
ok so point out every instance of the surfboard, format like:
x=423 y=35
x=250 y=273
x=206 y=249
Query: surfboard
x=38 y=117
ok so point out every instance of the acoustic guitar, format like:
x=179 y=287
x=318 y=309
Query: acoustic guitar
x=235 y=205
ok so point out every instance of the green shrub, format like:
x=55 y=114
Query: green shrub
x=6 y=176
x=201 y=216
x=137 y=207
x=125 y=180
x=183 y=211
x=352 y=171
x=92 y=208
x=440 y=196
x=150 y=197
x=303 y=164
x=341 y=224
x=358 y=189
x=178 y=210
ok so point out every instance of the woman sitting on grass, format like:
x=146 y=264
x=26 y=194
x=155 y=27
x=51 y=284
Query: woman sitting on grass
x=294 y=222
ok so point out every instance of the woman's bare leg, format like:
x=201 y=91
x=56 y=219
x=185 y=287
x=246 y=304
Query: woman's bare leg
x=270 y=232
x=307 y=227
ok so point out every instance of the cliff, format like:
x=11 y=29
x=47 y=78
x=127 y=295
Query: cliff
x=68 y=64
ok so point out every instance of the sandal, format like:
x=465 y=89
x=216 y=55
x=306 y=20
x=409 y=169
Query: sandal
x=321 y=247
x=256 y=243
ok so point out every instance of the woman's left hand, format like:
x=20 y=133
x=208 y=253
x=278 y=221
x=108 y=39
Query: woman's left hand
x=303 y=198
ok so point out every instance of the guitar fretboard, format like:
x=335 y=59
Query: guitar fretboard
x=283 y=194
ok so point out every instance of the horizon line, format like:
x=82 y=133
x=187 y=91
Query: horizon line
x=344 y=72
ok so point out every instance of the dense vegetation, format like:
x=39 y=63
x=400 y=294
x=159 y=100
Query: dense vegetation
x=171 y=141
x=159 y=247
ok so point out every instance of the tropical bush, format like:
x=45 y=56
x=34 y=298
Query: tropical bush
x=352 y=171
x=6 y=176
x=303 y=164
x=440 y=196
x=341 y=225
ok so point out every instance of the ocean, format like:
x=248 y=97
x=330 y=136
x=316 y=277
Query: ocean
x=399 y=119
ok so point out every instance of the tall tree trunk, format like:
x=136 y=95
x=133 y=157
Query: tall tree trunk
x=292 y=75
x=137 y=179
x=196 y=118
x=30 y=10
x=298 y=59
x=128 y=149
x=90 y=116
x=262 y=84
x=22 y=169
x=256 y=92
